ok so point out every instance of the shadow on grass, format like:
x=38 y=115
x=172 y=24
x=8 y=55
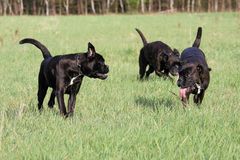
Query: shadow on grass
x=154 y=103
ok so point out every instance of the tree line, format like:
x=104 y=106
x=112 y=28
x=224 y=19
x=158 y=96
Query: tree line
x=79 y=7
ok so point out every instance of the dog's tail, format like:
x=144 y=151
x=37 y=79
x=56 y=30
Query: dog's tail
x=39 y=45
x=142 y=37
x=198 y=38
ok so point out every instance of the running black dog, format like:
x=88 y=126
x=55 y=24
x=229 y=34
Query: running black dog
x=194 y=74
x=64 y=74
x=160 y=58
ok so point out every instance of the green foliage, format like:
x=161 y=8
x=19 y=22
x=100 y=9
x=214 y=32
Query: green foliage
x=121 y=117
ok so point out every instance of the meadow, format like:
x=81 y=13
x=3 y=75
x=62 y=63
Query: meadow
x=121 y=117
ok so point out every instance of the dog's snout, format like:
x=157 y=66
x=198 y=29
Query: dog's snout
x=107 y=68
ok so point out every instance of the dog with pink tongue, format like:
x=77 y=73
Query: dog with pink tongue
x=194 y=72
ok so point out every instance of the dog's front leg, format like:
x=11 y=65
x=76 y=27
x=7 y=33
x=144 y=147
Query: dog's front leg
x=71 y=104
x=60 y=99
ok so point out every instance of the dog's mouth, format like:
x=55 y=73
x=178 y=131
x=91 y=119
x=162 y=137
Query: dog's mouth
x=184 y=93
x=101 y=75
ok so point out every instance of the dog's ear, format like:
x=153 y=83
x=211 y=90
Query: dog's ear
x=176 y=52
x=91 y=50
x=165 y=56
x=200 y=69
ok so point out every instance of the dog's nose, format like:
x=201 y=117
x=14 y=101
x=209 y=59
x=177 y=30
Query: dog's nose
x=107 y=68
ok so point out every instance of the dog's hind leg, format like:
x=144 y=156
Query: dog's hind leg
x=42 y=90
x=142 y=65
x=150 y=70
x=51 y=101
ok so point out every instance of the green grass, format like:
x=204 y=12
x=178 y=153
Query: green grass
x=120 y=118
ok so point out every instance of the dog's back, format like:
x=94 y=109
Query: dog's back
x=192 y=55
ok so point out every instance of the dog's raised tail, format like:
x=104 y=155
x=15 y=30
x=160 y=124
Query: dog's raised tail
x=198 y=38
x=142 y=36
x=39 y=45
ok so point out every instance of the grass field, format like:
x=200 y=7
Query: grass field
x=120 y=118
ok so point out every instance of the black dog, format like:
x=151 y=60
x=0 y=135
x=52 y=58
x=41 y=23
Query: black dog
x=64 y=73
x=160 y=58
x=194 y=74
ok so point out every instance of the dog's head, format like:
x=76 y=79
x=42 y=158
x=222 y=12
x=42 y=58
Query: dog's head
x=172 y=61
x=190 y=76
x=94 y=64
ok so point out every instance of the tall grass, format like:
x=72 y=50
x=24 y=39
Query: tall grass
x=121 y=117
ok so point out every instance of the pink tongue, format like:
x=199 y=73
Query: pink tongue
x=183 y=92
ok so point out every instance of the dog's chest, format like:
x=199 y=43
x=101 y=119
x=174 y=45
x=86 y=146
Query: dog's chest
x=75 y=79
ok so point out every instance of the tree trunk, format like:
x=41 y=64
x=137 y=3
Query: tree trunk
x=108 y=6
x=223 y=5
x=238 y=5
x=86 y=7
x=10 y=8
x=183 y=5
x=150 y=6
x=142 y=6
x=80 y=7
x=199 y=5
x=5 y=4
x=1 y=8
x=47 y=7
x=159 y=6
x=216 y=5
x=171 y=5
x=66 y=6
x=121 y=5
x=34 y=7
x=188 y=6
x=193 y=5
x=93 y=7
x=116 y=6
x=209 y=5
x=229 y=5
x=53 y=7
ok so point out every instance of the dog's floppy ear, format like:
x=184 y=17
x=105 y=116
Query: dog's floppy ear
x=91 y=50
x=165 y=56
x=176 y=52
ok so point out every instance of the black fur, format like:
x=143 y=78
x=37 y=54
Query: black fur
x=194 y=71
x=159 y=57
x=64 y=74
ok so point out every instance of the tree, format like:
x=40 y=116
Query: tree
x=66 y=6
x=199 y=5
x=159 y=5
x=171 y=5
x=150 y=6
x=47 y=7
x=93 y=7
x=193 y=4
x=238 y=5
x=215 y=5
x=229 y=5
x=142 y=6
x=121 y=5
x=188 y=5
